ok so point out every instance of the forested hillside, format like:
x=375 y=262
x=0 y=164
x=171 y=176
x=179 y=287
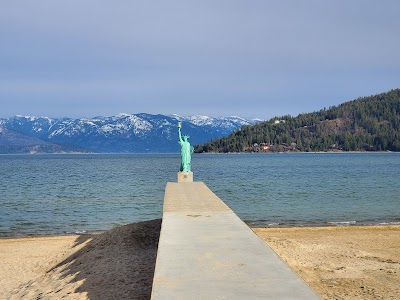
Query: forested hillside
x=365 y=124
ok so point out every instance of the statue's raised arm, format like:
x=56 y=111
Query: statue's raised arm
x=179 y=132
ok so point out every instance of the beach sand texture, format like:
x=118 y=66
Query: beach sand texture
x=117 y=264
x=337 y=262
x=360 y=262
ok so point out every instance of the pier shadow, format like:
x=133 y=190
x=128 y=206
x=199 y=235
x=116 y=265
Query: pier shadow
x=117 y=264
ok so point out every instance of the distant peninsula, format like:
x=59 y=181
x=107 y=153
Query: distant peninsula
x=365 y=124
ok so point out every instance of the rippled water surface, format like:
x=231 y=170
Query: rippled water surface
x=53 y=194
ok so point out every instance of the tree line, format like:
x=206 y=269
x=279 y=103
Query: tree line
x=365 y=124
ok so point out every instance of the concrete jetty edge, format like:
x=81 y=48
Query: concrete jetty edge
x=207 y=252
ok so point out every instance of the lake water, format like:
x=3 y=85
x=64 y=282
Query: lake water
x=57 y=194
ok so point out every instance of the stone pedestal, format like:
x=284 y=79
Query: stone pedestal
x=185 y=176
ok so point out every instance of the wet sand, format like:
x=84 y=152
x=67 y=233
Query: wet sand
x=337 y=262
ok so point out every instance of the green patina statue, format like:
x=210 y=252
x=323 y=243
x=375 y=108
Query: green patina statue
x=186 y=151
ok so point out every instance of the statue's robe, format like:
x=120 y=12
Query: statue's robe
x=186 y=151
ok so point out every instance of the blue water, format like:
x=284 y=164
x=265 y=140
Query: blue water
x=56 y=194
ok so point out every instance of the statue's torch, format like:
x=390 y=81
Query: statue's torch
x=179 y=125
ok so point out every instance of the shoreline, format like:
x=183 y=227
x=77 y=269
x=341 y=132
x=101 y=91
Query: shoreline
x=255 y=224
x=329 y=227
x=176 y=153
x=251 y=224
x=300 y=152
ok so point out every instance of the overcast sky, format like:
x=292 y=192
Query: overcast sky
x=250 y=58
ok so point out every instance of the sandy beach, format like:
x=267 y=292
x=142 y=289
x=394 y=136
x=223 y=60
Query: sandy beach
x=337 y=262
x=117 y=264
x=357 y=262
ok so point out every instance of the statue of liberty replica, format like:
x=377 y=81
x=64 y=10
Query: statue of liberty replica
x=185 y=175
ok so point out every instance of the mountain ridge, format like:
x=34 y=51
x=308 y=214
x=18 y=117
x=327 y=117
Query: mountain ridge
x=122 y=133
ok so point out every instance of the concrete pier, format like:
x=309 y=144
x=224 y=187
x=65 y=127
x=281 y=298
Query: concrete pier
x=207 y=252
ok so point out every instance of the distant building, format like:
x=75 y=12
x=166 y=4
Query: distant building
x=264 y=147
x=279 y=121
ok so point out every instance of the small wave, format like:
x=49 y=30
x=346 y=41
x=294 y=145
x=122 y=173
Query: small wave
x=274 y=224
x=75 y=232
x=389 y=223
x=338 y=223
x=263 y=223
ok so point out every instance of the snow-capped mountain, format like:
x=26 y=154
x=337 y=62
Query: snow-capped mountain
x=124 y=132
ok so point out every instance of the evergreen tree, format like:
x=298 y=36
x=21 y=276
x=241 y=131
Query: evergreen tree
x=365 y=124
